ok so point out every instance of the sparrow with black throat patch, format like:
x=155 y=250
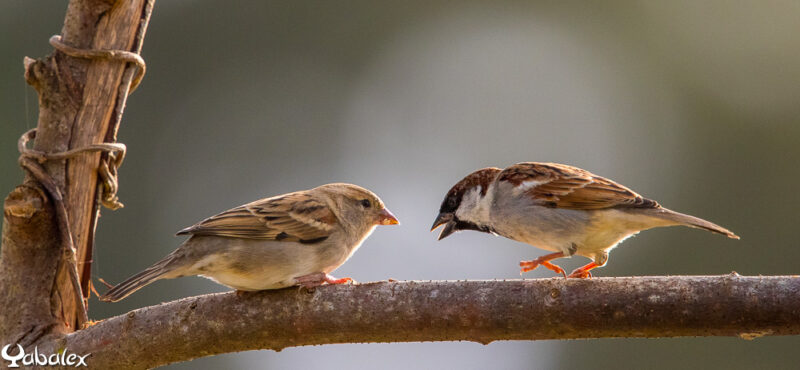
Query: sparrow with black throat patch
x=558 y=208
x=291 y=239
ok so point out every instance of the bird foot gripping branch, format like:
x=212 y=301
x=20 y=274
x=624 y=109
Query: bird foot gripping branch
x=526 y=266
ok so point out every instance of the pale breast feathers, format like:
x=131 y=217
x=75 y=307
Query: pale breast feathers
x=298 y=217
x=561 y=186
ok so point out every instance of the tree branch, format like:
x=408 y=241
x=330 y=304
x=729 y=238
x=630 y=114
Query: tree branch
x=104 y=82
x=81 y=99
x=480 y=311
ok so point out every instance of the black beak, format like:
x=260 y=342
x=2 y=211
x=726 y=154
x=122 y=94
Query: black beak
x=445 y=219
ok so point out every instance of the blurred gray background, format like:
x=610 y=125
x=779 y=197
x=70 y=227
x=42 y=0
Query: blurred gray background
x=695 y=104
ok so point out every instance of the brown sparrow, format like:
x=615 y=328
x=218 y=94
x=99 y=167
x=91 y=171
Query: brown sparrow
x=558 y=208
x=291 y=239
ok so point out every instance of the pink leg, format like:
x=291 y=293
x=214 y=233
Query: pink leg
x=544 y=261
x=332 y=280
x=318 y=278
x=583 y=272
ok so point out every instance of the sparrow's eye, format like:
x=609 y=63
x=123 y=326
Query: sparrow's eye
x=451 y=203
x=365 y=203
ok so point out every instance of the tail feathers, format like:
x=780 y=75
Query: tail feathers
x=135 y=282
x=691 y=221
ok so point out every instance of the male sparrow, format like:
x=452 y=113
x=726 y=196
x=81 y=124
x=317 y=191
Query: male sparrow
x=291 y=239
x=558 y=208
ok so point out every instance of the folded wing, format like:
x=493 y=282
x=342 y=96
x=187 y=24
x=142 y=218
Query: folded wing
x=561 y=186
x=297 y=217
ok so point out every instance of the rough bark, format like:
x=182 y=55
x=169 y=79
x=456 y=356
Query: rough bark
x=96 y=119
x=479 y=311
x=28 y=267
x=80 y=103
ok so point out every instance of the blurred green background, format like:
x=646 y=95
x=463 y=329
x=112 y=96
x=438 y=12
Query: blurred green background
x=695 y=104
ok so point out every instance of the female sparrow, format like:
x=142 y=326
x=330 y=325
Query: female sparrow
x=558 y=208
x=291 y=239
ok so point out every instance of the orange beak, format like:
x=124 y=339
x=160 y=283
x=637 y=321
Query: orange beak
x=386 y=218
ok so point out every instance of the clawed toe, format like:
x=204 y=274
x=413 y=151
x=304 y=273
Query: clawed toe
x=580 y=274
x=331 y=280
x=583 y=272
x=526 y=266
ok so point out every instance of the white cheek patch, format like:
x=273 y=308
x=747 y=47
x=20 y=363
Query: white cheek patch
x=474 y=207
x=468 y=202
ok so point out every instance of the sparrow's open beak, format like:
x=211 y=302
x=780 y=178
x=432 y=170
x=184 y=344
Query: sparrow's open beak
x=387 y=218
x=445 y=219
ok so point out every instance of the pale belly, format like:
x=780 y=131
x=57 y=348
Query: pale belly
x=259 y=265
x=586 y=233
x=251 y=282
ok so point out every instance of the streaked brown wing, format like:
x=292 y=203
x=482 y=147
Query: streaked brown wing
x=561 y=186
x=298 y=217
